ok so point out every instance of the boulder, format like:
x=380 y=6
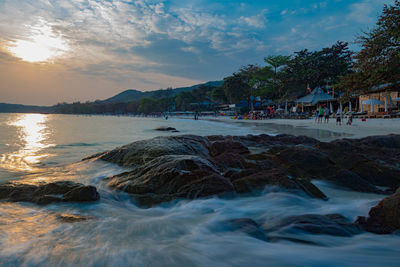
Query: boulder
x=258 y=181
x=142 y=152
x=170 y=177
x=188 y=166
x=234 y=147
x=331 y=224
x=62 y=191
x=165 y=129
x=384 y=218
x=244 y=225
x=72 y=218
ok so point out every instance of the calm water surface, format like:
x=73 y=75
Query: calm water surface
x=37 y=147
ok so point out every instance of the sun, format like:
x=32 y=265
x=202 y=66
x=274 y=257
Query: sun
x=41 y=45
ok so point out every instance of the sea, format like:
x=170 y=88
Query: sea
x=46 y=147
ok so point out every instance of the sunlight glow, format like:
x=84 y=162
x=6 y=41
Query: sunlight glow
x=40 y=46
x=33 y=131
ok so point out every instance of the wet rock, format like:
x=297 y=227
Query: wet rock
x=168 y=168
x=258 y=181
x=384 y=218
x=166 y=129
x=302 y=161
x=331 y=224
x=72 y=218
x=142 y=152
x=245 y=225
x=220 y=147
x=174 y=176
x=353 y=181
x=63 y=191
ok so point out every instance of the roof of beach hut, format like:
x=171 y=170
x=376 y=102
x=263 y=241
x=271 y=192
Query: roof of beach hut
x=317 y=95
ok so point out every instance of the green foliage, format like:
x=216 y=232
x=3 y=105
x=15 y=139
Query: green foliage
x=378 y=62
x=218 y=94
x=148 y=105
x=183 y=101
x=317 y=68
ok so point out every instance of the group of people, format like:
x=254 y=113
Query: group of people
x=324 y=113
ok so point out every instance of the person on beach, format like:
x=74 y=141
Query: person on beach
x=326 y=114
x=316 y=115
x=320 y=114
x=350 y=119
x=339 y=117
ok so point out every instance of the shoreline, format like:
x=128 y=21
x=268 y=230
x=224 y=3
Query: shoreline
x=322 y=131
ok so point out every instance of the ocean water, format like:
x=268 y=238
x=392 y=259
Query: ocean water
x=40 y=147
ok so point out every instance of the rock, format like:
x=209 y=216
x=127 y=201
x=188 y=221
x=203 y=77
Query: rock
x=71 y=218
x=302 y=161
x=174 y=176
x=353 y=181
x=62 y=191
x=245 y=225
x=188 y=166
x=81 y=194
x=165 y=129
x=220 y=147
x=142 y=152
x=331 y=224
x=258 y=181
x=384 y=218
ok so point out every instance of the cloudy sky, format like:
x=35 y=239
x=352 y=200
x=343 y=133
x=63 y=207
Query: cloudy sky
x=57 y=50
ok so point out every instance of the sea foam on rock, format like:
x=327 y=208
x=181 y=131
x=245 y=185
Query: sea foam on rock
x=188 y=166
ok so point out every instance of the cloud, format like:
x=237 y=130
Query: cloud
x=257 y=21
x=146 y=42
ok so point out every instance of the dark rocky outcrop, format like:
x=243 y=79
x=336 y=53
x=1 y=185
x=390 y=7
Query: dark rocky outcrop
x=244 y=225
x=166 y=168
x=63 y=191
x=142 y=152
x=166 y=129
x=72 y=218
x=331 y=224
x=384 y=218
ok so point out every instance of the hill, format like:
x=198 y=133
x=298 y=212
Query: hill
x=135 y=95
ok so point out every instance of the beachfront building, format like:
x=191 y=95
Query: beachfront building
x=319 y=95
x=385 y=100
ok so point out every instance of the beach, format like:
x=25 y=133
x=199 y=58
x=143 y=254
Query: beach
x=324 y=131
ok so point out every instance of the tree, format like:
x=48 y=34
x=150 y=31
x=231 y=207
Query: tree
x=148 y=105
x=317 y=68
x=277 y=61
x=236 y=87
x=378 y=62
x=183 y=101
x=218 y=94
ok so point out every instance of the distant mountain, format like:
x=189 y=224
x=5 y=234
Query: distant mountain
x=135 y=95
x=17 y=108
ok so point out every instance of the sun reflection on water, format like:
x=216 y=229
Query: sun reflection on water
x=33 y=134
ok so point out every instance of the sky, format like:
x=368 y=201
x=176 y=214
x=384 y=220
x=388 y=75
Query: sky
x=81 y=50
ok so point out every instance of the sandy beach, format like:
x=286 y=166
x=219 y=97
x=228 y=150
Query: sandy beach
x=324 y=131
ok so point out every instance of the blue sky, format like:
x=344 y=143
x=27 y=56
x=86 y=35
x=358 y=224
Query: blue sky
x=99 y=48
